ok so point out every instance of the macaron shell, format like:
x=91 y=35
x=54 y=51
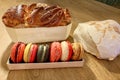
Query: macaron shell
x=29 y=53
x=43 y=54
x=76 y=51
x=59 y=52
x=55 y=52
x=70 y=51
x=33 y=52
x=14 y=52
x=39 y=53
x=52 y=52
x=65 y=51
x=20 y=52
x=26 y=52
x=46 y=58
x=81 y=53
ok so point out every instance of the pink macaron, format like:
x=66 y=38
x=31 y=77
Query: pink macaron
x=55 y=52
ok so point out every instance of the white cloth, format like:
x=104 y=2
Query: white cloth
x=100 y=38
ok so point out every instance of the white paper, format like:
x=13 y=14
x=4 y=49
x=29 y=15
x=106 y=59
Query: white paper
x=101 y=38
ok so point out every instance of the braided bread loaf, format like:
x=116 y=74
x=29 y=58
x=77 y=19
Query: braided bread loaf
x=36 y=15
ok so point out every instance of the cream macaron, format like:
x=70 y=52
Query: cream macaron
x=66 y=51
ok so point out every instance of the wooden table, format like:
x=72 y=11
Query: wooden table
x=93 y=69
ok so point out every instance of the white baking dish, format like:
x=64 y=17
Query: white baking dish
x=39 y=34
x=19 y=66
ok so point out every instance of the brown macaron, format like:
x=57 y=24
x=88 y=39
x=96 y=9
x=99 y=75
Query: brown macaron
x=78 y=51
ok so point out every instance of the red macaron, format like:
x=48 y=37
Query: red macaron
x=32 y=53
x=70 y=51
x=17 y=52
x=55 y=52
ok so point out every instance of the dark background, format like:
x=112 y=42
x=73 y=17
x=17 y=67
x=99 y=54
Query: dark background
x=115 y=3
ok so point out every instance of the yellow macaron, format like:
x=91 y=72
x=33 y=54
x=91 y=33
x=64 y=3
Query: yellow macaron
x=26 y=52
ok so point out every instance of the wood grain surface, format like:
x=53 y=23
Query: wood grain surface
x=81 y=11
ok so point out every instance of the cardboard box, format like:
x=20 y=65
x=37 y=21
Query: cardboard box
x=19 y=66
x=39 y=34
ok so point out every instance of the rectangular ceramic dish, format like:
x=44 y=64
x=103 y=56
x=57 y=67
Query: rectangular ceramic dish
x=39 y=34
x=19 y=66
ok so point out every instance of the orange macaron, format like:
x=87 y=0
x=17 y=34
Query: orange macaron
x=78 y=51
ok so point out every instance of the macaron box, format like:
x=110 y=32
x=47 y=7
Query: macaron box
x=47 y=55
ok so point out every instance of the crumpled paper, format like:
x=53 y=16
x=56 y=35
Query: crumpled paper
x=99 y=38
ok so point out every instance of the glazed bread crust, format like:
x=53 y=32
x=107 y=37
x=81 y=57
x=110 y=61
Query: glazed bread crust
x=36 y=15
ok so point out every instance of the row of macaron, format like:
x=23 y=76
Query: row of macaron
x=54 y=52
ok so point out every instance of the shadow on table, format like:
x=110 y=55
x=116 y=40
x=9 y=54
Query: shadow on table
x=5 y=57
x=112 y=66
x=83 y=73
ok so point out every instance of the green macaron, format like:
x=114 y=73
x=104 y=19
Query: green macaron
x=39 y=53
x=47 y=51
x=43 y=53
